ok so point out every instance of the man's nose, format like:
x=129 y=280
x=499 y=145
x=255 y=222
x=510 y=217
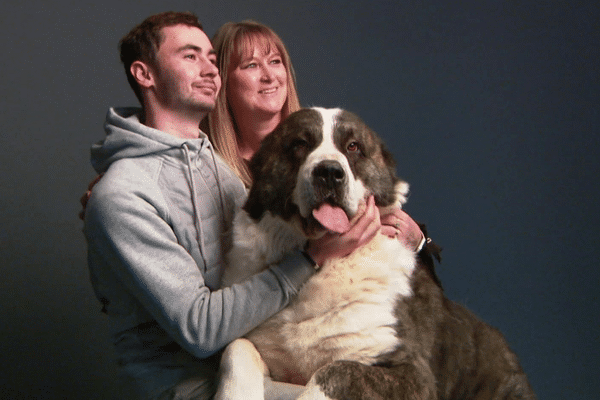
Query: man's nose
x=209 y=69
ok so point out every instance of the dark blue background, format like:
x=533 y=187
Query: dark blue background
x=490 y=107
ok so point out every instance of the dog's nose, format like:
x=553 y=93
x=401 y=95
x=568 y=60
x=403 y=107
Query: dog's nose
x=329 y=173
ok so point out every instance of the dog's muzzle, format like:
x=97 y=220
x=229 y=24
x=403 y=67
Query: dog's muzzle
x=329 y=182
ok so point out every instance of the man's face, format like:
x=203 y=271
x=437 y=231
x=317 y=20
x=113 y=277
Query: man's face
x=186 y=76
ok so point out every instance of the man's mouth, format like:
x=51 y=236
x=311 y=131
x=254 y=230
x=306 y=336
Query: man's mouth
x=206 y=86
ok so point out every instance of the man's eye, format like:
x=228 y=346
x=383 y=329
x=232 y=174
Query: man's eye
x=190 y=56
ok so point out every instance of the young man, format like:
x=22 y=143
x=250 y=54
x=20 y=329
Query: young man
x=156 y=222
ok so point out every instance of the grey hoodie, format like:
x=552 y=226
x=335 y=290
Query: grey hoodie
x=156 y=227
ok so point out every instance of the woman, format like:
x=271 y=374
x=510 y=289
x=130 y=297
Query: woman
x=258 y=92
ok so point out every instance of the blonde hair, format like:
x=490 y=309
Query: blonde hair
x=232 y=42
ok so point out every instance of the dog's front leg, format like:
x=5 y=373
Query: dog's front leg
x=241 y=373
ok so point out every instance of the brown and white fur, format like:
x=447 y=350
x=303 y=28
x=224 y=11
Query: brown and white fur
x=373 y=325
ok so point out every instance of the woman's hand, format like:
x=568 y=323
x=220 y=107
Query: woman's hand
x=400 y=225
x=363 y=227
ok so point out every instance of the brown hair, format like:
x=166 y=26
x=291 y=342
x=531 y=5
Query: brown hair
x=232 y=42
x=143 y=41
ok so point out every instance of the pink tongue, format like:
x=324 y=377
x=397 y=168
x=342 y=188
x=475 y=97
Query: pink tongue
x=332 y=218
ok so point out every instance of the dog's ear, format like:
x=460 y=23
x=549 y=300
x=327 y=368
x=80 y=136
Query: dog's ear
x=272 y=178
x=261 y=195
x=381 y=176
x=254 y=207
x=390 y=177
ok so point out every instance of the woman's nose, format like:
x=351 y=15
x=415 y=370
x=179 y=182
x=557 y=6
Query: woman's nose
x=267 y=74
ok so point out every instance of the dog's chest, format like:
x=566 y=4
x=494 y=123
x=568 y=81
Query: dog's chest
x=346 y=311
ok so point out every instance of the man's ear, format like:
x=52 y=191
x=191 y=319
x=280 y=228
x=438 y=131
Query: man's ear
x=142 y=74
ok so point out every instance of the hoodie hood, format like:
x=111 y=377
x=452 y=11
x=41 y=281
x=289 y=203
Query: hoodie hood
x=127 y=137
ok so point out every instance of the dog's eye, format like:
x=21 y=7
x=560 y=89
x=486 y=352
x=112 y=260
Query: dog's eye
x=353 y=147
x=299 y=146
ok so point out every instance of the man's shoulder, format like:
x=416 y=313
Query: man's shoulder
x=128 y=180
x=129 y=173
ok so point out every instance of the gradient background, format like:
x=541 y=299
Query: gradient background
x=490 y=107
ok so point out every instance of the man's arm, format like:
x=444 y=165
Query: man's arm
x=131 y=244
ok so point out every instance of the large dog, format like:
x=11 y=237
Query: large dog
x=373 y=325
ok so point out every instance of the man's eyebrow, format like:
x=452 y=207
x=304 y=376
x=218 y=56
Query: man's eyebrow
x=190 y=47
x=195 y=48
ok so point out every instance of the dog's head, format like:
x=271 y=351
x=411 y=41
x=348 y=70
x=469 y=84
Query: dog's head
x=317 y=167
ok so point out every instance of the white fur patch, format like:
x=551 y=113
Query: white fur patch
x=354 y=322
x=355 y=191
x=257 y=245
x=242 y=372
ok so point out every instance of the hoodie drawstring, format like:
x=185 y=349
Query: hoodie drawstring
x=197 y=216
x=218 y=179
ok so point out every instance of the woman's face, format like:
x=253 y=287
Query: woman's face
x=258 y=84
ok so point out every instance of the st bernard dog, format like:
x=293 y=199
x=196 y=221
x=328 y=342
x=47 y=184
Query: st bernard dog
x=373 y=325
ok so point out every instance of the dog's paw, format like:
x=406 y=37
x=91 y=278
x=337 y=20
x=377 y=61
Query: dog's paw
x=241 y=373
x=313 y=392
